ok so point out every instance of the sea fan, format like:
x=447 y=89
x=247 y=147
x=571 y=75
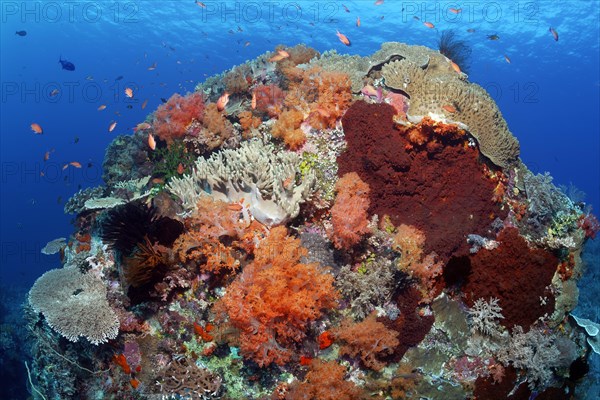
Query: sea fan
x=455 y=49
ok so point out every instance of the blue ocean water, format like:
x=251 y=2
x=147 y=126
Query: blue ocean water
x=548 y=93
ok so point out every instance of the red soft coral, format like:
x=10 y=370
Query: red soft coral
x=172 y=118
x=275 y=298
x=349 y=213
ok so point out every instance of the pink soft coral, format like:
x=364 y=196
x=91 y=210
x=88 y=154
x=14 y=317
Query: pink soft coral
x=269 y=99
x=172 y=118
x=349 y=213
x=275 y=298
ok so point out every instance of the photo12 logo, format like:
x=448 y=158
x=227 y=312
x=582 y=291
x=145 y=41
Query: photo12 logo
x=87 y=91
x=470 y=11
x=69 y=11
x=273 y=12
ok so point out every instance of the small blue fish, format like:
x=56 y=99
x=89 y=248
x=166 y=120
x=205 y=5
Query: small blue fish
x=21 y=33
x=69 y=66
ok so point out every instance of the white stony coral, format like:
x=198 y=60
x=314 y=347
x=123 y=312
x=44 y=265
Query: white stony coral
x=484 y=315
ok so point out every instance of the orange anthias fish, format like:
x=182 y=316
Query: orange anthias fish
x=449 y=108
x=75 y=164
x=379 y=2
x=200 y=4
x=358 y=21
x=554 y=33
x=281 y=54
x=151 y=142
x=455 y=67
x=429 y=25
x=142 y=126
x=222 y=102
x=102 y=107
x=112 y=126
x=37 y=128
x=455 y=10
x=253 y=103
x=144 y=104
x=343 y=38
x=129 y=92
x=180 y=169
x=46 y=156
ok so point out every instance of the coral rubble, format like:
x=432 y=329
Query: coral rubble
x=343 y=227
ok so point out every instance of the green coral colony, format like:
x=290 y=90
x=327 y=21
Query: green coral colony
x=339 y=227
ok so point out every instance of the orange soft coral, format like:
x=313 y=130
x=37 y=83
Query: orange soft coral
x=431 y=132
x=325 y=381
x=275 y=298
x=349 y=213
x=408 y=241
x=172 y=118
x=335 y=96
x=238 y=80
x=370 y=340
x=217 y=129
x=299 y=54
x=287 y=128
x=248 y=122
x=203 y=241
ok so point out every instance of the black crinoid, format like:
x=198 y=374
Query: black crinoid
x=125 y=226
x=455 y=49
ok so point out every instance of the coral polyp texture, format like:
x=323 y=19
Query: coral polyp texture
x=343 y=227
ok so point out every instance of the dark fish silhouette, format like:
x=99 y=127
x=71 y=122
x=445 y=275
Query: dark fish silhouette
x=21 y=33
x=69 y=66
x=118 y=78
x=163 y=100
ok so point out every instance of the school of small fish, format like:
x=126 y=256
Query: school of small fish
x=279 y=55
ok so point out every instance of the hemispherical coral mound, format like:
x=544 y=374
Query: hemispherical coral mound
x=438 y=187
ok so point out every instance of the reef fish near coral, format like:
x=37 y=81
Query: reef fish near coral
x=66 y=65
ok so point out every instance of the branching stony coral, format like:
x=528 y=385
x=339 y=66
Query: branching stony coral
x=74 y=305
x=484 y=315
